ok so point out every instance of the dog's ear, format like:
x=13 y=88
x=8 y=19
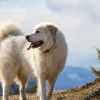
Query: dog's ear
x=52 y=29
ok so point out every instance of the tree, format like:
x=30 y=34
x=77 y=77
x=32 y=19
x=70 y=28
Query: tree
x=94 y=70
x=98 y=53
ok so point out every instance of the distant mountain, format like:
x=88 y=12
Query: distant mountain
x=72 y=77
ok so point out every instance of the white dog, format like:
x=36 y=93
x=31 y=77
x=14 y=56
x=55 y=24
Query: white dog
x=12 y=63
x=47 y=51
x=44 y=58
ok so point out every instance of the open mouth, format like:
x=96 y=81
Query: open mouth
x=35 y=44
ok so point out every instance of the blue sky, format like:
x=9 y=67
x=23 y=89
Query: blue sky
x=78 y=19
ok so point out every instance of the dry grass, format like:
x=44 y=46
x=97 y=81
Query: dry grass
x=89 y=90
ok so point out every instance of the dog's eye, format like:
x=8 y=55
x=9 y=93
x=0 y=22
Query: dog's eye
x=37 y=31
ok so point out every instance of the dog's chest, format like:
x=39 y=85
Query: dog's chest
x=45 y=61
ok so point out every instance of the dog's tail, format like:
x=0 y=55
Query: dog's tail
x=96 y=72
x=9 y=30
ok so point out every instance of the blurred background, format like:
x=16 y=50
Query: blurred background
x=79 y=20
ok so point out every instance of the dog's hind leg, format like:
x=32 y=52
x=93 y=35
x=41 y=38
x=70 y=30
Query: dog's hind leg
x=22 y=92
x=22 y=89
x=22 y=80
x=6 y=90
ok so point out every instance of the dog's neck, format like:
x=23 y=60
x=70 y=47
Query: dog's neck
x=51 y=48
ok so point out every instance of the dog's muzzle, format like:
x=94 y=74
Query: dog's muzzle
x=27 y=37
x=34 y=44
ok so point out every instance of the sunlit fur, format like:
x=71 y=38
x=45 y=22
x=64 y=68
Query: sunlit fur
x=17 y=62
x=11 y=63
x=47 y=65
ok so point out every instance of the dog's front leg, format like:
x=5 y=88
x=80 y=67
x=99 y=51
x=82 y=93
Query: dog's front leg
x=6 y=90
x=41 y=89
x=51 y=83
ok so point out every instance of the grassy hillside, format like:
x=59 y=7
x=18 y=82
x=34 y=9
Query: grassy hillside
x=90 y=91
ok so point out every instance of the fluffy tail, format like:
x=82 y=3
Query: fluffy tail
x=9 y=30
x=97 y=73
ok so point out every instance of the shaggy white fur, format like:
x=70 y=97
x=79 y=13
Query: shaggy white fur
x=49 y=58
x=44 y=62
x=12 y=64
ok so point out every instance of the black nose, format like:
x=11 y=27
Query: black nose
x=27 y=37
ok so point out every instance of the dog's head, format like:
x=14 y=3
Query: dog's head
x=43 y=37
